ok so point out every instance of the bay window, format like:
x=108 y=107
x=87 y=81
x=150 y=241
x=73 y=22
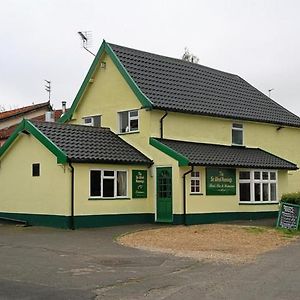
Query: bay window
x=258 y=186
x=108 y=184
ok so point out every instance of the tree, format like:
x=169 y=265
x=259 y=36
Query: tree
x=188 y=56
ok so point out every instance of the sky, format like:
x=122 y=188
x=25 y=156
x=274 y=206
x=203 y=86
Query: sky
x=258 y=40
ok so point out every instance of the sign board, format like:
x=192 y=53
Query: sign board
x=220 y=181
x=139 y=184
x=288 y=216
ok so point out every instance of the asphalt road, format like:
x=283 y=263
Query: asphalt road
x=46 y=263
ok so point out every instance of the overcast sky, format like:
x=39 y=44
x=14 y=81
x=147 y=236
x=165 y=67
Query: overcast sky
x=258 y=40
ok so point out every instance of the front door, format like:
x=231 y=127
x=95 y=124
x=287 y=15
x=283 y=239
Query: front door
x=164 y=211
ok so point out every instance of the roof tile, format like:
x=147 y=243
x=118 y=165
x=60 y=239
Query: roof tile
x=176 y=85
x=201 y=154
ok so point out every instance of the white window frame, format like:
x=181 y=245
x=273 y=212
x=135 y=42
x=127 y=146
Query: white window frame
x=252 y=182
x=129 y=119
x=92 y=119
x=196 y=178
x=233 y=128
x=115 y=178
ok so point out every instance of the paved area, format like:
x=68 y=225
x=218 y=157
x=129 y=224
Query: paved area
x=46 y=263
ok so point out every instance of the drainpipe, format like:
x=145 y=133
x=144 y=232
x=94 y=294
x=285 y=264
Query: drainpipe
x=184 y=194
x=72 y=197
x=162 y=125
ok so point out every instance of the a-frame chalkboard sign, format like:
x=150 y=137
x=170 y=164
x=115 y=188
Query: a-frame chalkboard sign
x=288 y=216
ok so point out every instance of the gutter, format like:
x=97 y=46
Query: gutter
x=184 y=194
x=72 y=226
x=162 y=125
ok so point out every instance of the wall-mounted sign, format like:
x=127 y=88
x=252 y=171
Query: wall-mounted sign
x=139 y=184
x=220 y=181
x=289 y=216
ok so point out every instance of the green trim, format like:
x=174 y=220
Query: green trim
x=12 y=138
x=112 y=220
x=39 y=220
x=136 y=90
x=87 y=221
x=182 y=160
x=207 y=218
x=27 y=126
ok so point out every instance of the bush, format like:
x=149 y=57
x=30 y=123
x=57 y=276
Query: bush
x=292 y=198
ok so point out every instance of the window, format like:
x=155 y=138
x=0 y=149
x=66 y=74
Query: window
x=108 y=184
x=258 y=186
x=92 y=121
x=35 y=170
x=195 y=183
x=237 y=134
x=129 y=121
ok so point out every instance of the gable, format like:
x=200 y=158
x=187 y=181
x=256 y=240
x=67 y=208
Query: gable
x=27 y=127
x=107 y=94
x=105 y=49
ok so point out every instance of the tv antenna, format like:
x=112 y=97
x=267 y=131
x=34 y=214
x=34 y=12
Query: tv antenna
x=86 y=38
x=270 y=90
x=48 y=88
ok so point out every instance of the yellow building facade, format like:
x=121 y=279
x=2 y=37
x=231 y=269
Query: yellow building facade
x=202 y=166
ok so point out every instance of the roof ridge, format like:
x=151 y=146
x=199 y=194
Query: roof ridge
x=175 y=59
x=70 y=125
x=21 y=110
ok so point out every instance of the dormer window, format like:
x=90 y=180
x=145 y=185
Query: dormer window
x=237 y=134
x=92 y=121
x=129 y=121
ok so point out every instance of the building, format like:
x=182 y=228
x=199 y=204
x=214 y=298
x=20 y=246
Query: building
x=205 y=146
x=11 y=118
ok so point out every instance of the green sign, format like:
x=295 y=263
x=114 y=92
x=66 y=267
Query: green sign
x=139 y=184
x=289 y=216
x=220 y=181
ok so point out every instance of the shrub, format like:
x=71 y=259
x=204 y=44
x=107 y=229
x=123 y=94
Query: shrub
x=292 y=198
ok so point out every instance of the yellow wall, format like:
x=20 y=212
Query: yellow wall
x=284 y=143
x=207 y=203
x=109 y=94
x=86 y=206
x=22 y=193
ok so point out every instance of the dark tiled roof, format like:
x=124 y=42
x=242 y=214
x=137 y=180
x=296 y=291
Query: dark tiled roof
x=176 y=85
x=200 y=154
x=23 y=110
x=91 y=144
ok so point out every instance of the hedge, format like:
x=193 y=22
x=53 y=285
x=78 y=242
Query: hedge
x=292 y=198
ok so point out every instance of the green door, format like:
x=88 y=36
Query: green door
x=164 y=211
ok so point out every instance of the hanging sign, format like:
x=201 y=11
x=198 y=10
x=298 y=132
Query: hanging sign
x=220 y=181
x=139 y=184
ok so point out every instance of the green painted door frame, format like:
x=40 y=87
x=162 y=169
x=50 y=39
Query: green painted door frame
x=164 y=205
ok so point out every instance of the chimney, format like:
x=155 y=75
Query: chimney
x=49 y=116
x=64 y=107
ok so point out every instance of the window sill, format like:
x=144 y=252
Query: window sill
x=100 y=198
x=259 y=203
x=196 y=194
x=130 y=132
